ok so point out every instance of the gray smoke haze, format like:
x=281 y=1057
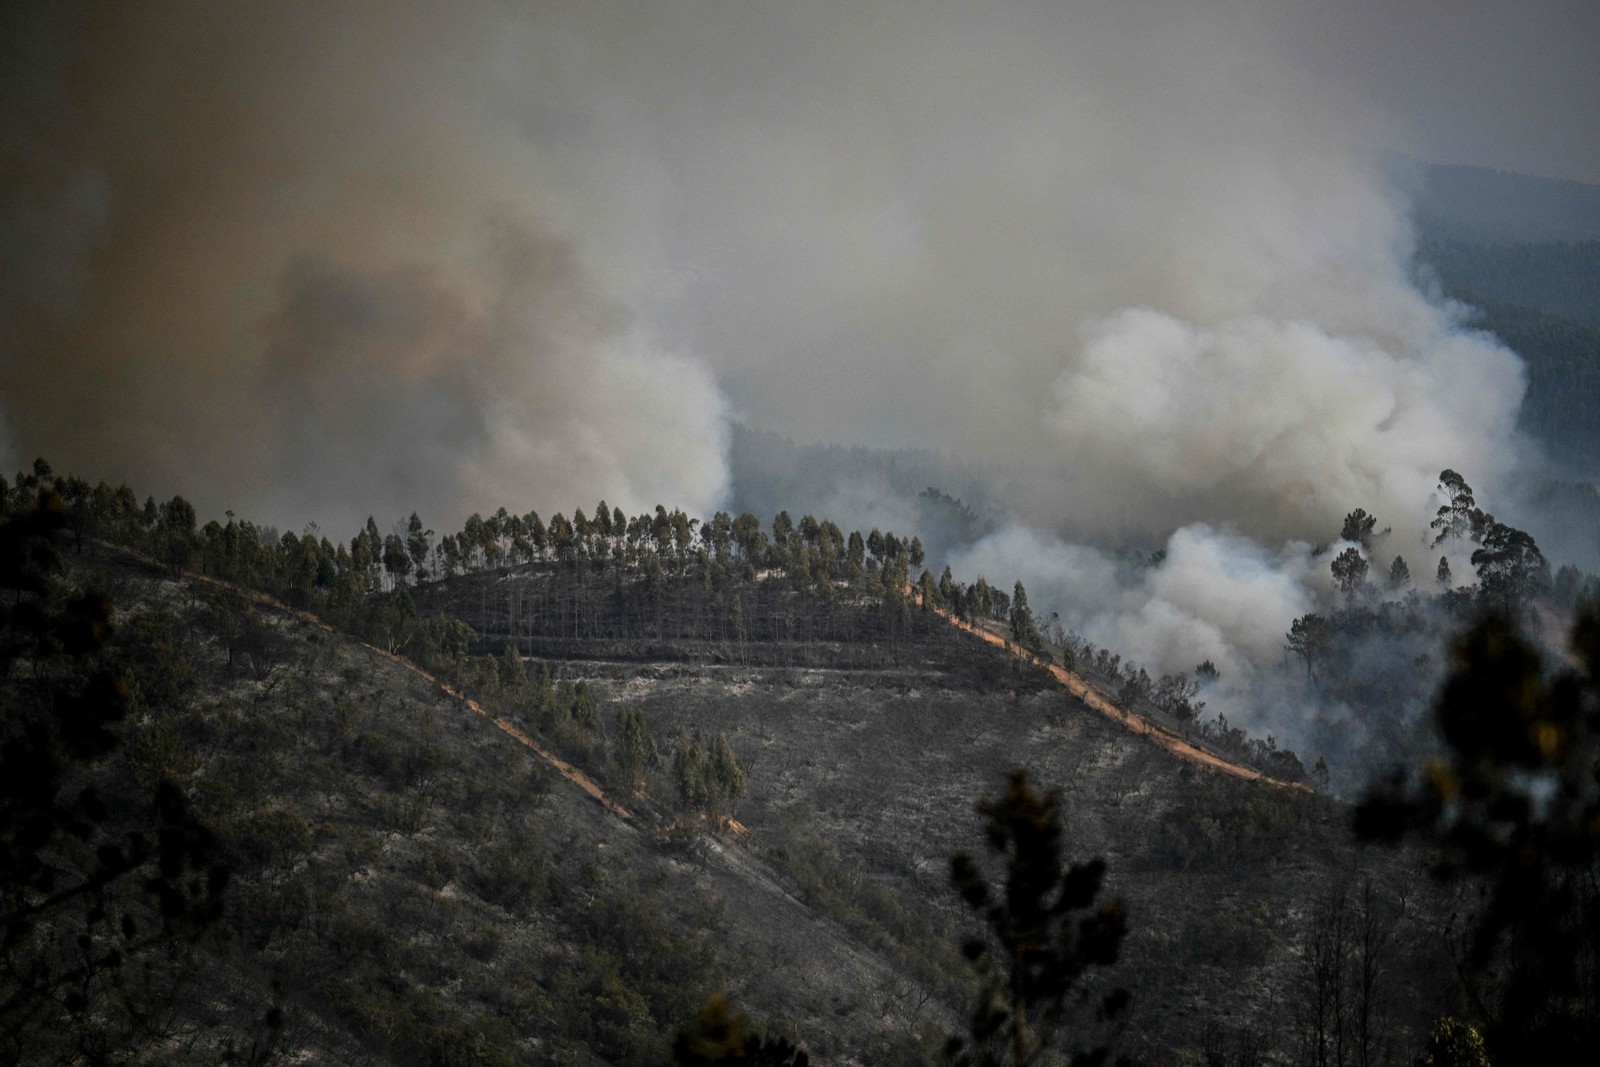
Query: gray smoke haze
x=1218 y=596
x=282 y=259
x=403 y=391
x=1146 y=259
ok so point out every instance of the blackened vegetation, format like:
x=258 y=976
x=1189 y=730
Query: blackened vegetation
x=1172 y=702
x=1262 y=753
x=411 y=890
x=654 y=585
x=712 y=615
x=724 y=1036
x=719 y=592
x=1353 y=942
x=1380 y=660
x=149 y=755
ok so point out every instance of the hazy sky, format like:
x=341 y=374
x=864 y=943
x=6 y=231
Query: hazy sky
x=312 y=261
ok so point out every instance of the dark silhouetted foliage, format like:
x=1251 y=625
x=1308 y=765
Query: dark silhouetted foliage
x=1043 y=932
x=1515 y=805
x=722 y=1035
x=90 y=890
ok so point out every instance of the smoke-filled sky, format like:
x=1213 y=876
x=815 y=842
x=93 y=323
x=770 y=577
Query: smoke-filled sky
x=314 y=261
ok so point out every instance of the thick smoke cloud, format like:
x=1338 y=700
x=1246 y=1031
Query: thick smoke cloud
x=1216 y=596
x=1144 y=261
x=405 y=392
x=922 y=225
x=1273 y=423
x=902 y=224
x=284 y=260
x=1221 y=597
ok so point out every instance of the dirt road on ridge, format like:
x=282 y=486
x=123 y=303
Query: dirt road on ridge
x=1131 y=720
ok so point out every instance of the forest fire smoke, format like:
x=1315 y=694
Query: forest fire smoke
x=1085 y=244
x=1147 y=263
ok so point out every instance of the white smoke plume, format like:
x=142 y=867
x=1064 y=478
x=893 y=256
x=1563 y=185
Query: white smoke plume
x=1143 y=260
x=1279 y=424
x=897 y=224
x=514 y=390
x=1216 y=596
x=1147 y=260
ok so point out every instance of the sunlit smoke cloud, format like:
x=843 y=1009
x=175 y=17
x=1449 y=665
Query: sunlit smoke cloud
x=1278 y=425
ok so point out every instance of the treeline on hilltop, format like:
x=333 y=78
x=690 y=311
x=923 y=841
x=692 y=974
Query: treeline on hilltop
x=594 y=576
x=1376 y=650
x=794 y=593
x=727 y=589
x=728 y=581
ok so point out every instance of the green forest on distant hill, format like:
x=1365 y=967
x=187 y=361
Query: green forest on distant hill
x=1543 y=301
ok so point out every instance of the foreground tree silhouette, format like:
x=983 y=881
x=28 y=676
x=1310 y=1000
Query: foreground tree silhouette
x=1042 y=933
x=1515 y=804
x=1361 y=528
x=93 y=902
x=1310 y=637
x=1511 y=569
x=722 y=1035
x=1459 y=515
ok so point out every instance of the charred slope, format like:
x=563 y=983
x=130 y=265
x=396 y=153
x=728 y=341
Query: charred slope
x=414 y=884
x=591 y=610
x=863 y=764
x=410 y=885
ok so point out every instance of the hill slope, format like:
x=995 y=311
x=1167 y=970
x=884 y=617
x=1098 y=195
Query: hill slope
x=417 y=886
x=863 y=769
x=415 y=883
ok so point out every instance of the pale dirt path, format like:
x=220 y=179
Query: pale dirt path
x=1074 y=684
x=1131 y=720
x=510 y=729
x=736 y=849
x=506 y=726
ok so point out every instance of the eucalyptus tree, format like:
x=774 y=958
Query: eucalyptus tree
x=419 y=544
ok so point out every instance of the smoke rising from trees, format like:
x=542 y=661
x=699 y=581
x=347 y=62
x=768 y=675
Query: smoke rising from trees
x=315 y=261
